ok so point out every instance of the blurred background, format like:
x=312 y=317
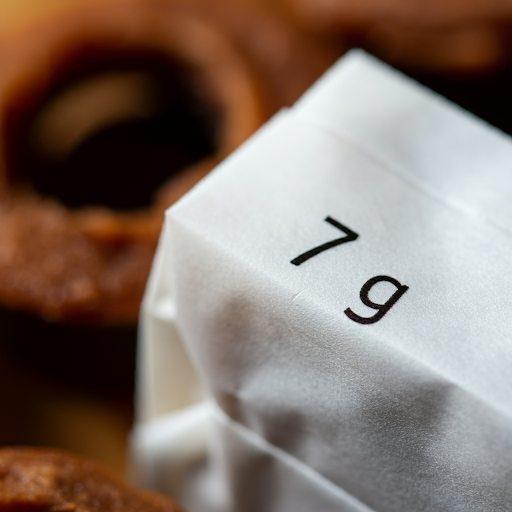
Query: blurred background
x=110 y=110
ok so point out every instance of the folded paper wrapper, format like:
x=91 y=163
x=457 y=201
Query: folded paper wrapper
x=298 y=407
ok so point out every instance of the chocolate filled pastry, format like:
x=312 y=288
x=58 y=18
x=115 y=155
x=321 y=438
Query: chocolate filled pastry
x=109 y=111
x=40 y=480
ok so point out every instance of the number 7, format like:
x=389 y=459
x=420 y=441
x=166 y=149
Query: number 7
x=351 y=236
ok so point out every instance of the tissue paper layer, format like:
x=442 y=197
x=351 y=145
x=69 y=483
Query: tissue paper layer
x=376 y=371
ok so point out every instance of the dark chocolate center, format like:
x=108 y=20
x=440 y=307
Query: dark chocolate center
x=111 y=130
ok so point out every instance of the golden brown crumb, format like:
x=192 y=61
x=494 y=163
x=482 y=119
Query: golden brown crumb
x=47 y=480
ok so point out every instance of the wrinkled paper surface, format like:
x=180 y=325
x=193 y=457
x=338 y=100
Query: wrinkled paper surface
x=306 y=408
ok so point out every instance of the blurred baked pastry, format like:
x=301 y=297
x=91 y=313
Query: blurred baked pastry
x=78 y=222
x=42 y=480
x=443 y=35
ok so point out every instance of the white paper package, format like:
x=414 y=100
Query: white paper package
x=343 y=287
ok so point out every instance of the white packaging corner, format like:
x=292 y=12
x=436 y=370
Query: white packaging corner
x=342 y=285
